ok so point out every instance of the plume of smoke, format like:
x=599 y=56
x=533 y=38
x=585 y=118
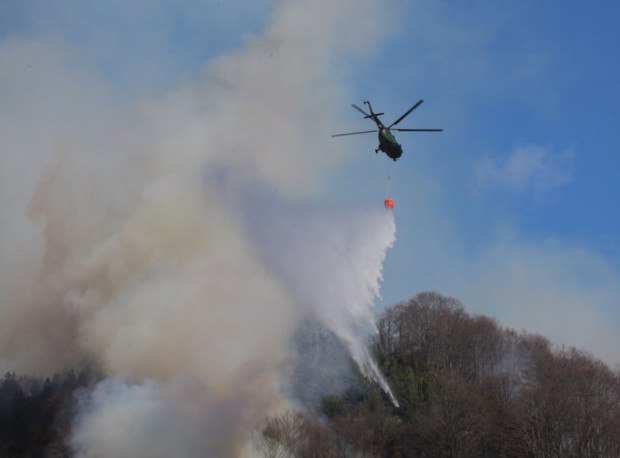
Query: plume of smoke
x=139 y=261
x=161 y=418
x=322 y=363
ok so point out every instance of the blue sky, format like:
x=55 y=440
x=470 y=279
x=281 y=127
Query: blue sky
x=513 y=209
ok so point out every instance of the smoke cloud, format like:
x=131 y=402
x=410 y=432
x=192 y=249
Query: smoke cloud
x=155 y=237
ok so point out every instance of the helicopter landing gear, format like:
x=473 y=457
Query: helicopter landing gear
x=376 y=150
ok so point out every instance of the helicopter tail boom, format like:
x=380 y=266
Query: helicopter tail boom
x=372 y=114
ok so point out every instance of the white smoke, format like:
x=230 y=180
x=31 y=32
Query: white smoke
x=136 y=245
x=161 y=417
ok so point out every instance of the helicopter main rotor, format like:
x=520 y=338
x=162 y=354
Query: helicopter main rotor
x=406 y=113
x=375 y=118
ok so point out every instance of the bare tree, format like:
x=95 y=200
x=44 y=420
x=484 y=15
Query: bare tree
x=569 y=408
x=295 y=435
x=455 y=422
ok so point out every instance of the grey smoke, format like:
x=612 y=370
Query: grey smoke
x=123 y=244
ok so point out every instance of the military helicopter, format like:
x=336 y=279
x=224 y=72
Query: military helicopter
x=387 y=141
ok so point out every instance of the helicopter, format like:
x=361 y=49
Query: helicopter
x=387 y=141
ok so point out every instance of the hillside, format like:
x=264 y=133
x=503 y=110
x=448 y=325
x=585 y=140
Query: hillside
x=466 y=388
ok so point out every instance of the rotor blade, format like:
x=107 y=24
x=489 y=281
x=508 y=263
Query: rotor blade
x=419 y=130
x=360 y=110
x=355 y=133
x=407 y=113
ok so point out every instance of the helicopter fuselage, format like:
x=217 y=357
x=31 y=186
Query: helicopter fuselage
x=387 y=141
x=388 y=144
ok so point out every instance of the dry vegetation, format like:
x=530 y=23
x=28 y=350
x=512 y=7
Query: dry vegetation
x=467 y=388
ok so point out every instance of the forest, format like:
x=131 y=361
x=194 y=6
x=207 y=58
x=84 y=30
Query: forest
x=466 y=387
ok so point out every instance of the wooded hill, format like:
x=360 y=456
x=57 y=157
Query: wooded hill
x=466 y=387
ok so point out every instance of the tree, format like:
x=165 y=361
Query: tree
x=295 y=435
x=570 y=408
x=454 y=423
